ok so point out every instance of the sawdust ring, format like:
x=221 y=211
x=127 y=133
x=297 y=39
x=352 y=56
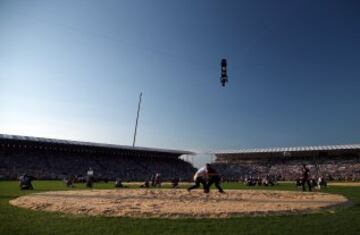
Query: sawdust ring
x=178 y=203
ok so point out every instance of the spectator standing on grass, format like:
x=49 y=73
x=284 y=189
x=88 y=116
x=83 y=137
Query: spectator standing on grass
x=306 y=178
x=158 y=180
x=90 y=178
x=152 y=179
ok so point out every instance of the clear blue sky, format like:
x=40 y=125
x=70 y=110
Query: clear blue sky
x=74 y=69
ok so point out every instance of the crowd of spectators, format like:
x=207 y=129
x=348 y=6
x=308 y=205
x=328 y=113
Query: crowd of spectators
x=61 y=165
x=290 y=169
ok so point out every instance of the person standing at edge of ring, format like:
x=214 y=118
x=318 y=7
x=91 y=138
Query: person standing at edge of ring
x=306 y=178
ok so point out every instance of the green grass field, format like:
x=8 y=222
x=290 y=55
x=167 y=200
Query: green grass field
x=14 y=220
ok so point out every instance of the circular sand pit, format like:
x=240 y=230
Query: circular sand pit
x=178 y=203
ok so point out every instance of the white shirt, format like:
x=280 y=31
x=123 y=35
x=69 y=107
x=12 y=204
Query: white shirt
x=201 y=173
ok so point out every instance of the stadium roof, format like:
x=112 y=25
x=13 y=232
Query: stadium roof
x=291 y=149
x=88 y=144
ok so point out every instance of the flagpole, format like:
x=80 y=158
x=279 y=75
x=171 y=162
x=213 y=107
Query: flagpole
x=137 y=118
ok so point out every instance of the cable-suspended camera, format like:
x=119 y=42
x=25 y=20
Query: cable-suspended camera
x=224 y=77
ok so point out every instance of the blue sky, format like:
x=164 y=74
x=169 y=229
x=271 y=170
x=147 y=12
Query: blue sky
x=74 y=70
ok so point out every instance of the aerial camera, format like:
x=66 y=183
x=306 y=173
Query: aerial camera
x=224 y=77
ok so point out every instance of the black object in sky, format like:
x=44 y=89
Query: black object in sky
x=224 y=77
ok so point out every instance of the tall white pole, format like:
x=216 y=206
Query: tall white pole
x=137 y=118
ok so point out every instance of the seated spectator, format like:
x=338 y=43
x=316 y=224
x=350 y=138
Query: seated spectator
x=146 y=184
x=322 y=182
x=70 y=181
x=314 y=183
x=25 y=182
x=251 y=182
x=175 y=182
x=118 y=183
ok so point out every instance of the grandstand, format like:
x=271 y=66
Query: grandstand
x=335 y=162
x=46 y=158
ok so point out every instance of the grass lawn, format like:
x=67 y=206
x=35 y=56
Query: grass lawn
x=23 y=221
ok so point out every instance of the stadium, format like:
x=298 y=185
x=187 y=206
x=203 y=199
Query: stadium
x=50 y=161
x=179 y=117
x=54 y=159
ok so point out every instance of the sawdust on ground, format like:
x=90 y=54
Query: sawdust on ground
x=178 y=203
x=351 y=184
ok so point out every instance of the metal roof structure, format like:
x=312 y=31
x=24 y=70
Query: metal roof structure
x=291 y=149
x=42 y=140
